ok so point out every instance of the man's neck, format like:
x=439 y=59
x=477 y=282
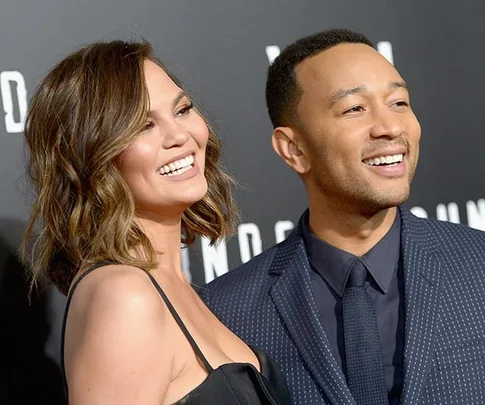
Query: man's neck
x=352 y=232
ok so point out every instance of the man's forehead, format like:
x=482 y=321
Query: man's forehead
x=344 y=65
x=336 y=54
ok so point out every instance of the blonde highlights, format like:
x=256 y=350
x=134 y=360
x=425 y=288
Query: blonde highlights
x=85 y=113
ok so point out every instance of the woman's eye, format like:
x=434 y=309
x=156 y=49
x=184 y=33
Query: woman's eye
x=148 y=125
x=185 y=110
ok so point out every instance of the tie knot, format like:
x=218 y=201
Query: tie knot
x=358 y=274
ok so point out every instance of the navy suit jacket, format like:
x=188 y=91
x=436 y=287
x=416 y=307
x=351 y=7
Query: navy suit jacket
x=269 y=303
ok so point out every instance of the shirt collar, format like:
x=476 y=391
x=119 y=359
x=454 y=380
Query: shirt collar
x=334 y=264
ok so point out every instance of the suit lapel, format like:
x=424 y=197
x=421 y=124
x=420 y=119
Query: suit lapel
x=421 y=280
x=292 y=295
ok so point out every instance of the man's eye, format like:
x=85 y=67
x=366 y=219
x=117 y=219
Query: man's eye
x=401 y=103
x=357 y=108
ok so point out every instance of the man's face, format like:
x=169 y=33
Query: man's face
x=359 y=136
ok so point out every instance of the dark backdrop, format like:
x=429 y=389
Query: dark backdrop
x=221 y=50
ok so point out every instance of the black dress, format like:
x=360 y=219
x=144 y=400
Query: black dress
x=229 y=384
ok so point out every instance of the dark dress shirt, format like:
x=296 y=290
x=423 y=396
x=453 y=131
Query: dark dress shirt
x=331 y=268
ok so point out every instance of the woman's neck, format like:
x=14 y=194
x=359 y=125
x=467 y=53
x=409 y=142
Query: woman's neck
x=165 y=237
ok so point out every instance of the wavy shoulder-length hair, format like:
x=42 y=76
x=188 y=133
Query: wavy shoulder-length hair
x=84 y=114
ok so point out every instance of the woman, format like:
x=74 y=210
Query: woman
x=126 y=170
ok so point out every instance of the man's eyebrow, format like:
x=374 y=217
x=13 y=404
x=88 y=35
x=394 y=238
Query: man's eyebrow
x=398 y=85
x=342 y=93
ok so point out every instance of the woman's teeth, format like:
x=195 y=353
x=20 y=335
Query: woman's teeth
x=178 y=167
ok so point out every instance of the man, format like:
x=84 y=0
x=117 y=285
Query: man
x=363 y=303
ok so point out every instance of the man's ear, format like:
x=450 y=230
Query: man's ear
x=287 y=144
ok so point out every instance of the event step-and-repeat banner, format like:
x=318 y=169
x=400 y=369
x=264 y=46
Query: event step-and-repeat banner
x=221 y=49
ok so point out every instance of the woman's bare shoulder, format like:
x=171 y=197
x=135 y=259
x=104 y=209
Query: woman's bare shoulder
x=118 y=293
x=118 y=332
x=115 y=288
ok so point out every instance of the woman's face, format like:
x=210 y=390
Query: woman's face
x=164 y=166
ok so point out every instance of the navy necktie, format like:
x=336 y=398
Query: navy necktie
x=365 y=365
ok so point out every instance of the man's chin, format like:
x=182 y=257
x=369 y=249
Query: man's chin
x=390 y=200
x=382 y=200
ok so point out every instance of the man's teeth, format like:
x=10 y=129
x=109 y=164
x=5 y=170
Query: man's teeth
x=387 y=160
x=178 y=167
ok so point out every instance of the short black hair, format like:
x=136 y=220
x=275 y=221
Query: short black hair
x=282 y=90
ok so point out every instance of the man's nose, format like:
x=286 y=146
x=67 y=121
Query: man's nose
x=387 y=123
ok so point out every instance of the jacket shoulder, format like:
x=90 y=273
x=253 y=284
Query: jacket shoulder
x=248 y=273
x=452 y=238
x=248 y=279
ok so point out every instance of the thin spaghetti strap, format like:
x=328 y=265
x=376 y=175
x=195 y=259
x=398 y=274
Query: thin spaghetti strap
x=181 y=324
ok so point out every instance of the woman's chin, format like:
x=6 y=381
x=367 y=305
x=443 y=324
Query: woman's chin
x=194 y=194
x=188 y=199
